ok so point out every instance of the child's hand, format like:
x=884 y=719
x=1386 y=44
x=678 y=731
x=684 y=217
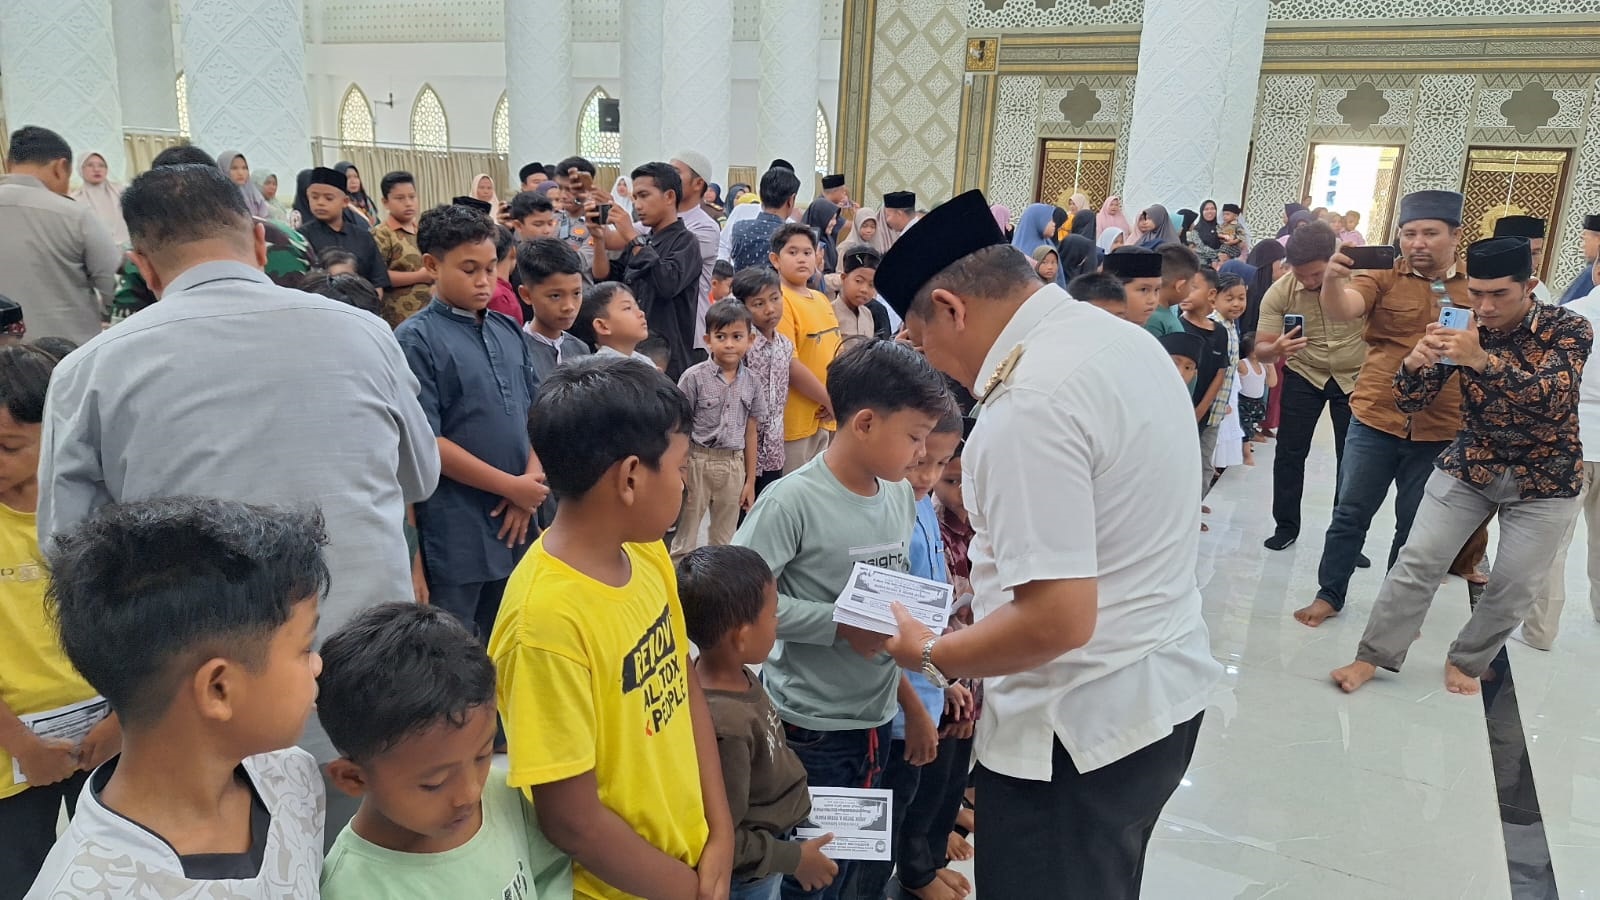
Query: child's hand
x=867 y=643
x=825 y=412
x=514 y=525
x=529 y=491
x=816 y=870
x=958 y=730
x=957 y=700
x=747 y=497
x=922 y=736
x=715 y=871
x=45 y=762
x=419 y=580
x=102 y=742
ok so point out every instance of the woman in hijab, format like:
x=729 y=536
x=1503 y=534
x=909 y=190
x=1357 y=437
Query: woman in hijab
x=237 y=168
x=482 y=188
x=1155 y=227
x=1035 y=228
x=1002 y=217
x=1110 y=239
x=1289 y=211
x=1200 y=233
x=1111 y=216
x=820 y=217
x=1079 y=256
x=359 y=201
x=1301 y=217
x=1060 y=222
x=1206 y=228
x=1083 y=222
x=267 y=183
x=868 y=230
x=102 y=195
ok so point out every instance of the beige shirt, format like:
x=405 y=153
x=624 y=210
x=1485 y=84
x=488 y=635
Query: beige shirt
x=56 y=260
x=1334 y=350
x=853 y=323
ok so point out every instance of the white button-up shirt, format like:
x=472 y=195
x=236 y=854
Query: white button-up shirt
x=1072 y=472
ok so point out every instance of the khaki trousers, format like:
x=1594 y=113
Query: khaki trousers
x=798 y=453
x=1544 y=619
x=714 y=482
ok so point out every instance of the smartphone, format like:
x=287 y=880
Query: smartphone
x=603 y=213
x=1455 y=317
x=1291 y=321
x=1377 y=256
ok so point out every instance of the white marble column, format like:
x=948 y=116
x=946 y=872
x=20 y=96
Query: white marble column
x=246 y=68
x=61 y=64
x=539 y=82
x=786 y=120
x=1243 y=69
x=697 y=84
x=1185 y=140
x=641 y=97
x=147 y=71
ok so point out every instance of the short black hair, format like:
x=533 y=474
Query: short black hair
x=859 y=257
x=596 y=411
x=182 y=204
x=1311 y=242
x=657 y=348
x=1228 y=281
x=183 y=155
x=345 y=288
x=884 y=376
x=727 y=312
x=144 y=592
x=395 y=670
x=753 y=280
x=58 y=347
x=541 y=258
x=1209 y=276
x=597 y=300
x=32 y=145
x=336 y=256
x=722 y=270
x=665 y=177
x=447 y=226
x=1247 y=344
x=526 y=203
x=395 y=179
x=1177 y=263
x=988 y=274
x=951 y=421
x=721 y=588
x=505 y=242
x=787 y=232
x=576 y=162
x=1098 y=286
x=24 y=378
x=778 y=186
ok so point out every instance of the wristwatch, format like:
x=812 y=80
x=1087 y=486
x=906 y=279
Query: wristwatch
x=930 y=670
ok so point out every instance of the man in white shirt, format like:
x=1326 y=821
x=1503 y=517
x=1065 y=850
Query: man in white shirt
x=899 y=213
x=695 y=170
x=1539 y=629
x=1096 y=662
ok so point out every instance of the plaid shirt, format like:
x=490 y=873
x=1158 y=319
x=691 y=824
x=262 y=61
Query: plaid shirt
x=768 y=361
x=722 y=411
x=1219 y=406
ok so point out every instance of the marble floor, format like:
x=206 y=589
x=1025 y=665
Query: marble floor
x=1298 y=791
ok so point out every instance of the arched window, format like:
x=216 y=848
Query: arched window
x=430 y=130
x=599 y=147
x=355 y=119
x=501 y=128
x=824 y=143
x=182 y=91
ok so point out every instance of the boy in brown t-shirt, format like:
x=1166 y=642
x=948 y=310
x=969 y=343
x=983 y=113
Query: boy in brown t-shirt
x=730 y=609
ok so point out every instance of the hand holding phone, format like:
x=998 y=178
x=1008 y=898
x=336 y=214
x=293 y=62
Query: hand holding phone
x=1456 y=318
x=1377 y=256
x=1291 y=321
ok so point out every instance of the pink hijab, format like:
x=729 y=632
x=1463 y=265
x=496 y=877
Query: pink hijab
x=1106 y=219
x=1002 y=216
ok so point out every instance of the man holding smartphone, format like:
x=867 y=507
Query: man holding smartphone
x=1322 y=359
x=1385 y=445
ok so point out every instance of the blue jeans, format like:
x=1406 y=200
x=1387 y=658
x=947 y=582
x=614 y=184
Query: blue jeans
x=1373 y=460
x=853 y=758
x=769 y=888
x=869 y=879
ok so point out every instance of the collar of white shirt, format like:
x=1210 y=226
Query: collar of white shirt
x=1029 y=314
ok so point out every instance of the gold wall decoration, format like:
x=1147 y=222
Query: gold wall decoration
x=1512 y=181
x=983 y=54
x=1072 y=167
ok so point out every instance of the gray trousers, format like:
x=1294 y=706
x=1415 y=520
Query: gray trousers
x=1544 y=619
x=1208 y=449
x=1530 y=535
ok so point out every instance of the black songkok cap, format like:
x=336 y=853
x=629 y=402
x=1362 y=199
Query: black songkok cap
x=1128 y=263
x=1500 y=257
x=1529 y=227
x=529 y=169
x=829 y=182
x=950 y=232
x=1182 y=343
x=904 y=200
x=473 y=203
x=330 y=177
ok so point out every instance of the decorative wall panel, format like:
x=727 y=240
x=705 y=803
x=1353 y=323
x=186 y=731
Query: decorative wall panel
x=63 y=61
x=918 y=68
x=1583 y=198
x=538 y=82
x=786 y=114
x=1016 y=141
x=1438 y=146
x=998 y=15
x=246 y=68
x=597 y=21
x=409 y=21
x=1510 y=182
x=1282 y=143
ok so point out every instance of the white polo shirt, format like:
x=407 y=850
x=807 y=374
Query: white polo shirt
x=1074 y=471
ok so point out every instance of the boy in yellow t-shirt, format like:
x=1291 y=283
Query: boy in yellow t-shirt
x=810 y=323
x=608 y=728
x=35 y=676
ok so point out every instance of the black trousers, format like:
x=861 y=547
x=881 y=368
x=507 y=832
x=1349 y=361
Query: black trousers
x=1081 y=836
x=923 y=839
x=28 y=823
x=1302 y=404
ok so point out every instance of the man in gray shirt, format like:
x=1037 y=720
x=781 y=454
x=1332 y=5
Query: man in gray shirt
x=56 y=259
x=234 y=387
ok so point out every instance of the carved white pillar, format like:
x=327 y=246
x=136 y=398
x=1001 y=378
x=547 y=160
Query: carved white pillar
x=147 y=72
x=642 y=21
x=245 y=64
x=786 y=121
x=61 y=62
x=539 y=81
x=1185 y=139
x=697 y=87
x=1243 y=72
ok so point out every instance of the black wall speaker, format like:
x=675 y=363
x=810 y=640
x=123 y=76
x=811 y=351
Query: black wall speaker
x=610 y=115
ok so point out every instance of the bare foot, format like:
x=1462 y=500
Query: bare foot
x=967 y=818
x=1459 y=682
x=1350 y=678
x=1478 y=577
x=1318 y=612
x=937 y=889
x=958 y=848
x=956 y=880
x=1205 y=510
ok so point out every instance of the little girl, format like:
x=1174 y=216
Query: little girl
x=1254 y=379
x=1047 y=262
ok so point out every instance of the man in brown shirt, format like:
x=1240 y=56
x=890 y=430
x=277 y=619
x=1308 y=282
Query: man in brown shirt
x=1384 y=445
x=1323 y=359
